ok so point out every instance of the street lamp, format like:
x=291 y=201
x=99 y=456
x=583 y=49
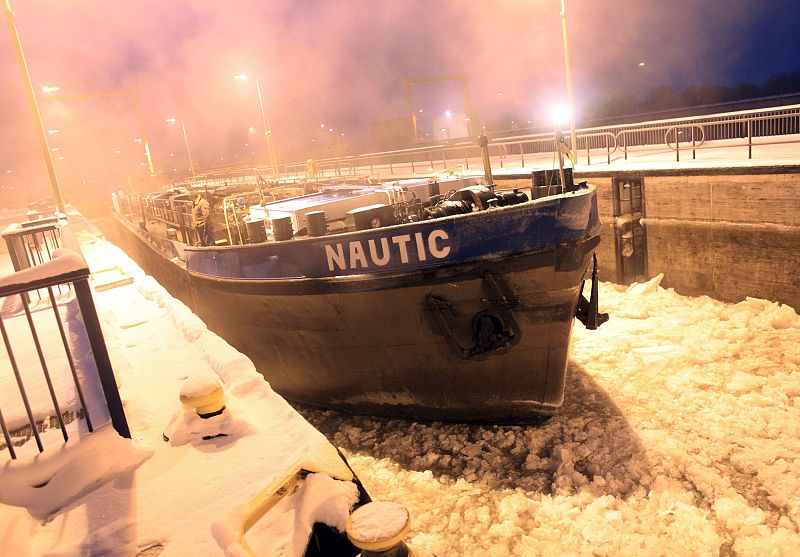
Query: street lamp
x=186 y=141
x=37 y=116
x=573 y=139
x=267 y=130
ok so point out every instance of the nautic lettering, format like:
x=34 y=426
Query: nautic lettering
x=402 y=249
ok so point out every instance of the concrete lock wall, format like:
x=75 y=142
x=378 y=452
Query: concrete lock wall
x=727 y=233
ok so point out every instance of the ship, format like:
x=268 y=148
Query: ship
x=439 y=298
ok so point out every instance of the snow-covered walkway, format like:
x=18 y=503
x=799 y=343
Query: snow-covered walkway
x=183 y=486
x=680 y=435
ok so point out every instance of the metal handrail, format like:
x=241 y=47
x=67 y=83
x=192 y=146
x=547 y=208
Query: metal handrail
x=763 y=122
x=48 y=275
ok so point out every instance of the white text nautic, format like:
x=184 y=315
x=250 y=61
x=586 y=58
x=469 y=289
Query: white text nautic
x=363 y=254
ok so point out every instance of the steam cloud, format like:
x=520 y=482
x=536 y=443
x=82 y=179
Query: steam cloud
x=338 y=63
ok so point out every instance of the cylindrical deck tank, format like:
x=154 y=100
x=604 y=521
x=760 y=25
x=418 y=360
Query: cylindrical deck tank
x=282 y=228
x=316 y=223
x=256 y=231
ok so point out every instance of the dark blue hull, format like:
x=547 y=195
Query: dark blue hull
x=460 y=318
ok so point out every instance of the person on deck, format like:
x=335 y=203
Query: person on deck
x=201 y=220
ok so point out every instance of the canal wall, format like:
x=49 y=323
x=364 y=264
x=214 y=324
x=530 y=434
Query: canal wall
x=728 y=233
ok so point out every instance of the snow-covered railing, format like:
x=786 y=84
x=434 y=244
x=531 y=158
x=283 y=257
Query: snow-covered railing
x=69 y=368
x=33 y=242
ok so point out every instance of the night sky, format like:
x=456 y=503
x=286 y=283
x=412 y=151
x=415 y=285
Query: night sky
x=342 y=64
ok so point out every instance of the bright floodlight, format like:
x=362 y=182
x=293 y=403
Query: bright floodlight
x=241 y=77
x=559 y=114
x=448 y=113
x=50 y=89
x=641 y=64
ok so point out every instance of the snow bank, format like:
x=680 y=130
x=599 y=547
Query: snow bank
x=47 y=482
x=101 y=494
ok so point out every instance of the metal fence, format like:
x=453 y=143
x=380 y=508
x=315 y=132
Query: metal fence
x=594 y=145
x=62 y=269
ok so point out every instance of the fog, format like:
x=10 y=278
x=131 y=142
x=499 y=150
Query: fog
x=336 y=63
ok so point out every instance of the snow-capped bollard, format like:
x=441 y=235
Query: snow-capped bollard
x=203 y=393
x=378 y=528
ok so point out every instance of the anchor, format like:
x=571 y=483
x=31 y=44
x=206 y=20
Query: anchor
x=587 y=312
x=494 y=330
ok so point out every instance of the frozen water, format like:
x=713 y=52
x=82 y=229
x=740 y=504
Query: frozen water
x=679 y=435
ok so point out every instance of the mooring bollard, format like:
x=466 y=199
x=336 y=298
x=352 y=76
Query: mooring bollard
x=378 y=528
x=203 y=393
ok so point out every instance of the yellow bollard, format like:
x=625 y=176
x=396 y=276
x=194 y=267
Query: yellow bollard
x=378 y=529
x=203 y=393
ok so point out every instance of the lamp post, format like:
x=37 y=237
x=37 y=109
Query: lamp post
x=37 y=116
x=573 y=138
x=186 y=141
x=267 y=130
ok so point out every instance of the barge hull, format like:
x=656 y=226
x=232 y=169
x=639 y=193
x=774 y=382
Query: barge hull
x=378 y=350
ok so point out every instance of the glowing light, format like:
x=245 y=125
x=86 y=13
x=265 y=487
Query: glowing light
x=642 y=64
x=51 y=132
x=50 y=89
x=54 y=149
x=559 y=114
x=171 y=120
x=241 y=77
x=448 y=113
x=251 y=129
x=137 y=140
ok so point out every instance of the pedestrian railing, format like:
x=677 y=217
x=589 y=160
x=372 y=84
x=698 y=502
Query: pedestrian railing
x=33 y=242
x=46 y=362
x=596 y=144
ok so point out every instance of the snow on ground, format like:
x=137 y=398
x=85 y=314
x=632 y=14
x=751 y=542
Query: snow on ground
x=100 y=494
x=679 y=435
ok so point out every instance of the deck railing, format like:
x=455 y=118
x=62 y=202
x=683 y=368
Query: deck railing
x=65 y=267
